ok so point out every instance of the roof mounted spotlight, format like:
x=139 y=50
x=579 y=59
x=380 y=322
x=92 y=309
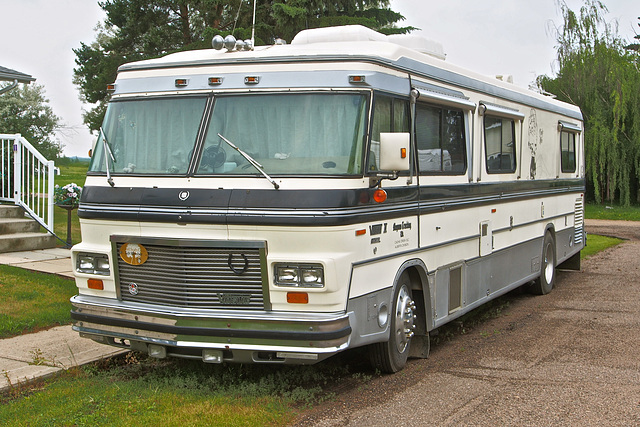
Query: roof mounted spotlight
x=217 y=42
x=240 y=46
x=229 y=42
x=280 y=41
x=248 y=45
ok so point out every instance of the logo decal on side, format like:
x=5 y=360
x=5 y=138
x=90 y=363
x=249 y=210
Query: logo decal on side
x=134 y=254
x=183 y=195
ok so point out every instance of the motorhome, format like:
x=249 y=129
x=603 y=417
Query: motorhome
x=281 y=204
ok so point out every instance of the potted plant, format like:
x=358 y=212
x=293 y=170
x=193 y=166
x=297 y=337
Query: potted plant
x=68 y=196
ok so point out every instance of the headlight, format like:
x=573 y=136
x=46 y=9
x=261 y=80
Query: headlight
x=93 y=264
x=301 y=276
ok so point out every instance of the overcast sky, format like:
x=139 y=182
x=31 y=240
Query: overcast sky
x=491 y=37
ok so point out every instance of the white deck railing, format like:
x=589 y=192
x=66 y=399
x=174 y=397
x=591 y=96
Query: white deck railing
x=27 y=178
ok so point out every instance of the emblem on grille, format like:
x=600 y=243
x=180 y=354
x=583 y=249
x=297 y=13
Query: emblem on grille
x=134 y=254
x=234 y=299
x=238 y=263
x=183 y=195
x=133 y=288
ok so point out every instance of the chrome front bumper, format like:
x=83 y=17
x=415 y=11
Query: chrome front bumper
x=213 y=335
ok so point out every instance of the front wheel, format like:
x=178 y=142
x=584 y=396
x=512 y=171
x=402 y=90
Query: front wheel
x=544 y=284
x=391 y=356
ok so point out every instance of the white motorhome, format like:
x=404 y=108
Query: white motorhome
x=286 y=203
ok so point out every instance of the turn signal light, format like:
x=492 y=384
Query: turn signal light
x=379 y=195
x=96 y=284
x=297 y=297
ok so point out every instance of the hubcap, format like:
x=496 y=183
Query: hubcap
x=405 y=308
x=548 y=261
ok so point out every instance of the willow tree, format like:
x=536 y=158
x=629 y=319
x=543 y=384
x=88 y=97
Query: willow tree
x=601 y=77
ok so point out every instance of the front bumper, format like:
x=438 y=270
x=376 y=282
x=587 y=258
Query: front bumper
x=212 y=335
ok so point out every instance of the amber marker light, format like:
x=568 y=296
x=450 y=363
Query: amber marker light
x=111 y=87
x=379 y=195
x=96 y=284
x=297 y=297
x=361 y=232
x=181 y=82
x=357 y=79
x=403 y=153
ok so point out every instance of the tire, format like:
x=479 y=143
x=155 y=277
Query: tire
x=391 y=356
x=544 y=284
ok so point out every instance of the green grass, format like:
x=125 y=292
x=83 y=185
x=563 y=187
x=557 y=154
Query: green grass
x=32 y=301
x=614 y=212
x=73 y=172
x=138 y=390
x=597 y=244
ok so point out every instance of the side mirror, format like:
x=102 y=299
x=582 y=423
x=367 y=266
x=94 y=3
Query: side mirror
x=394 y=151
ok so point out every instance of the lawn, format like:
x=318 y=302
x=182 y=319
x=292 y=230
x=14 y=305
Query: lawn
x=597 y=244
x=614 y=212
x=33 y=301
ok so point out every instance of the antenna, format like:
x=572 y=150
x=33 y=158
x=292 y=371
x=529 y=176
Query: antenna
x=253 y=27
x=237 y=16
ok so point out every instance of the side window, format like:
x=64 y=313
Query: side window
x=389 y=115
x=568 y=151
x=441 y=141
x=500 y=144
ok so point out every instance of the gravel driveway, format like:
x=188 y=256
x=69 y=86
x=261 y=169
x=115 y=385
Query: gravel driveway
x=567 y=358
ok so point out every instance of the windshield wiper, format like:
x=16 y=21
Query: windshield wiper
x=251 y=160
x=107 y=149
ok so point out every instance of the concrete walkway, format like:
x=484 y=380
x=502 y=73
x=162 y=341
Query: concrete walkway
x=35 y=356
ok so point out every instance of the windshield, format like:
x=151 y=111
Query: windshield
x=285 y=134
x=291 y=134
x=149 y=136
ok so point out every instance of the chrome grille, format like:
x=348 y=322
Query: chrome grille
x=194 y=277
x=578 y=222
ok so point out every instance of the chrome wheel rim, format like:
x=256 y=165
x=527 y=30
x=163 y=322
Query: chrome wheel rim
x=548 y=264
x=404 y=319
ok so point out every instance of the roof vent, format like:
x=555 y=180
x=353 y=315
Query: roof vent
x=345 y=33
x=419 y=43
x=359 y=33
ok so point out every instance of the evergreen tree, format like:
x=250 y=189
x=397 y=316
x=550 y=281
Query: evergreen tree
x=141 y=29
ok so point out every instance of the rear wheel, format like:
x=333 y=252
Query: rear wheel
x=544 y=284
x=391 y=356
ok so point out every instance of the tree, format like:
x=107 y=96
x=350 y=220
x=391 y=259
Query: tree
x=600 y=76
x=26 y=111
x=636 y=45
x=141 y=29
